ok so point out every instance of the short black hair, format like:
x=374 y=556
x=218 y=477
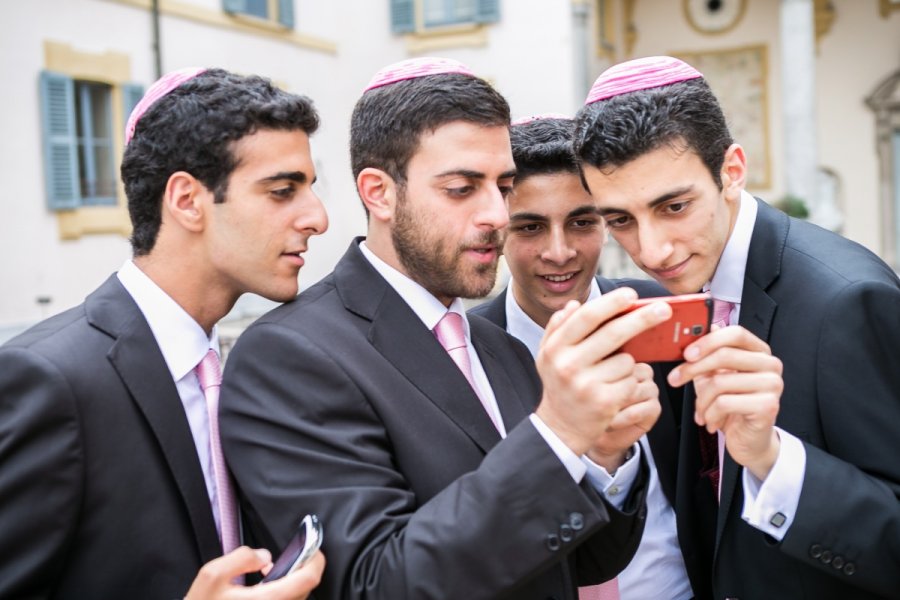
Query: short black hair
x=194 y=128
x=388 y=121
x=683 y=115
x=543 y=146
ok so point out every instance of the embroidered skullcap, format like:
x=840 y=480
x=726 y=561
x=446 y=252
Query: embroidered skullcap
x=160 y=88
x=416 y=67
x=640 y=74
x=532 y=118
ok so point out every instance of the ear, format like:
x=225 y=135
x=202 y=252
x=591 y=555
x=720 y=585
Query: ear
x=378 y=191
x=183 y=201
x=734 y=172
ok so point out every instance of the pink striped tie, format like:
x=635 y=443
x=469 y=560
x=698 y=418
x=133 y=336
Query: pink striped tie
x=209 y=372
x=608 y=590
x=451 y=334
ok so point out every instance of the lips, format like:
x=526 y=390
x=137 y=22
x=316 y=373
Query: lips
x=559 y=278
x=671 y=272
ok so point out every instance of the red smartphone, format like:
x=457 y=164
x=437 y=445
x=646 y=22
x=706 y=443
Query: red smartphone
x=691 y=317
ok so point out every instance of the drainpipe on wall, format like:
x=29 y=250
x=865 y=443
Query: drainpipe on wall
x=581 y=13
x=157 y=52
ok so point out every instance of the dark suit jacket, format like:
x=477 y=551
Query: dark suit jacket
x=342 y=403
x=663 y=437
x=101 y=491
x=830 y=310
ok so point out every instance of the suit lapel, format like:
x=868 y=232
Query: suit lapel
x=511 y=403
x=137 y=358
x=401 y=337
x=757 y=313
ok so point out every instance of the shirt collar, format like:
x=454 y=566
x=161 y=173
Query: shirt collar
x=521 y=326
x=428 y=308
x=180 y=338
x=728 y=281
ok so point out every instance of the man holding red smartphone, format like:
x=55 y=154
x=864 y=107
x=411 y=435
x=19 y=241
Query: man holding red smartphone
x=552 y=249
x=800 y=384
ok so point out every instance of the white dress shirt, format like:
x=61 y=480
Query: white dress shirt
x=430 y=310
x=657 y=569
x=779 y=493
x=183 y=344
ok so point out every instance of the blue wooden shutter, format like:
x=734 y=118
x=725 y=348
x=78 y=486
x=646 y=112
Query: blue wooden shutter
x=60 y=141
x=403 y=16
x=131 y=95
x=488 y=11
x=286 y=13
x=234 y=6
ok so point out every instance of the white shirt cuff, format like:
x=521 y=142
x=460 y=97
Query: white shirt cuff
x=771 y=505
x=569 y=459
x=615 y=487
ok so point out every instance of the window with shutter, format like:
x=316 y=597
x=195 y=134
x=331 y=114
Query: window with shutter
x=442 y=13
x=79 y=150
x=278 y=11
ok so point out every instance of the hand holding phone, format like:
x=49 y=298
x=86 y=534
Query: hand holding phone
x=691 y=316
x=299 y=549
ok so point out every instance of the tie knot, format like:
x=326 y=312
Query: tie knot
x=209 y=372
x=449 y=331
x=721 y=312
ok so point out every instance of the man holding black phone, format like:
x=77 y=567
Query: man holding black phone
x=112 y=482
x=553 y=245
x=801 y=498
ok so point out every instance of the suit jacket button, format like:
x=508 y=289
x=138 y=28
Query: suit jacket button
x=553 y=543
x=849 y=568
x=566 y=533
x=815 y=550
x=837 y=562
x=826 y=556
x=576 y=520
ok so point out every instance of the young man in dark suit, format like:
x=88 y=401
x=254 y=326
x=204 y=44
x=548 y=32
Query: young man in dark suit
x=552 y=248
x=111 y=481
x=413 y=431
x=800 y=383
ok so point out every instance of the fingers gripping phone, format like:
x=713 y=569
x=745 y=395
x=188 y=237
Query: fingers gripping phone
x=299 y=549
x=691 y=317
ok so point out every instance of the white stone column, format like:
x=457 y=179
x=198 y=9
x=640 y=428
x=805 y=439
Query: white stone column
x=798 y=85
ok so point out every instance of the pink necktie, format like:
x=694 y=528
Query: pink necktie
x=608 y=590
x=210 y=375
x=450 y=333
x=712 y=447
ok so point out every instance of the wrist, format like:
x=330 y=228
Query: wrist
x=762 y=467
x=611 y=461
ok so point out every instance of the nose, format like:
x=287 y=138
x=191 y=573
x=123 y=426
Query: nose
x=312 y=218
x=655 y=249
x=558 y=251
x=493 y=212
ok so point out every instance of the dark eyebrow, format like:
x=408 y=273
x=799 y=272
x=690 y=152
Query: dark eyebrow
x=473 y=174
x=526 y=216
x=295 y=176
x=653 y=203
x=584 y=210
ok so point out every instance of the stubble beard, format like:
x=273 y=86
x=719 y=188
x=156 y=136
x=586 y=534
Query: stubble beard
x=430 y=263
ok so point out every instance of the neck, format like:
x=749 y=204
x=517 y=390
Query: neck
x=179 y=278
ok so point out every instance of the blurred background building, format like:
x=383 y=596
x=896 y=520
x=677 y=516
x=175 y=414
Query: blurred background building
x=811 y=88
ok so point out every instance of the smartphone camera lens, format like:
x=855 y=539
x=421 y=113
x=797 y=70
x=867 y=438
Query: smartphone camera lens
x=697 y=329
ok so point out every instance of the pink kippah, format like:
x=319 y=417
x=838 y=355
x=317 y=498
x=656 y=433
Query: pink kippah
x=416 y=67
x=640 y=74
x=160 y=88
x=531 y=119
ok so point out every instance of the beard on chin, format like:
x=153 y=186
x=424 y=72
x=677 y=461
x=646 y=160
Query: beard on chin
x=441 y=270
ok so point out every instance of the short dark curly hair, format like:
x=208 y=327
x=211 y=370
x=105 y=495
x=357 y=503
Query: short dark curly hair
x=543 y=147
x=193 y=129
x=683 y=115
